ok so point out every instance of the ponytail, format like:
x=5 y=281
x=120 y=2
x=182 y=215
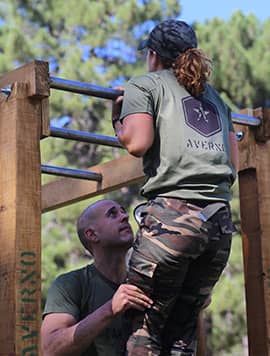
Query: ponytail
x=192 y=70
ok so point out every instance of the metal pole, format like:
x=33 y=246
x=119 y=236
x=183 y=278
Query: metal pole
x=72 y=173
x=245 y=119
x=5 y=91
x=84 y=88
x=108 y=93
x=84 y=136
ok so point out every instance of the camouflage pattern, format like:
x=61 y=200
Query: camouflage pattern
x=177 y=260
x=170 y=38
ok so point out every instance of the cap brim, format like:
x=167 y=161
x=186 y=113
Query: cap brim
x=142 y=45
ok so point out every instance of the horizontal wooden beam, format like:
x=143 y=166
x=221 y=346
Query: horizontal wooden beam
x=36 y=74
x=116 y=174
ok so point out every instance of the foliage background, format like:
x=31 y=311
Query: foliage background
x=95 y=42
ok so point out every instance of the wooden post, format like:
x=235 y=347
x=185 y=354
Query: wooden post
x=20 y=220
x=254 y=186
x=201 y=348
x=36 y=74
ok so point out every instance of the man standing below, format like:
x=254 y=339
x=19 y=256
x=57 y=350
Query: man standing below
x=84 y=309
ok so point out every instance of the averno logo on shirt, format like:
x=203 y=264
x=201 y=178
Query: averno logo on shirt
x=201 y=116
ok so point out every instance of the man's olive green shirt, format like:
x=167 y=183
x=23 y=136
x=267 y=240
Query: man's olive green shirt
x=79 y=293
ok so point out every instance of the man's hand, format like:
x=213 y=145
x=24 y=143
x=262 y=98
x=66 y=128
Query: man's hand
x=129 y=296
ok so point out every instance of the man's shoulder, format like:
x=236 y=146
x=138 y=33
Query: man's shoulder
x=77 y=276
x=74 y=284
x=69 y=292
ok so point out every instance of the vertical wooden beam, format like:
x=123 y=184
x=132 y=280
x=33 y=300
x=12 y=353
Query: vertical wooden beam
x=20 y=223
x=201 y=348
x=45 y=119
x=254 y=186
x=252 y=255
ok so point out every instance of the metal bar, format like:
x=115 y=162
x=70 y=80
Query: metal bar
x=84 y=136
x=245 y=119
x=72 y=173
x=6 y=91
x=108 y=93
x=84 y=88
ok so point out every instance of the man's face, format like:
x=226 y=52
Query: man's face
x=112 y=226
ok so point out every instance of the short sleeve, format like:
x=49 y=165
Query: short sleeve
x=138 y=97
x=64 y=296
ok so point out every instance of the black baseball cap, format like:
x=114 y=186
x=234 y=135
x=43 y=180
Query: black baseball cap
x=170 y=38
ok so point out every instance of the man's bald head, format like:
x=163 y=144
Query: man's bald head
x=88 y=219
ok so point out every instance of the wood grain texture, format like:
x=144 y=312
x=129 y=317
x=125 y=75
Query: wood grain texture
x=36 y=74
x=20 y=224
x=254 y=187
x=115 y=175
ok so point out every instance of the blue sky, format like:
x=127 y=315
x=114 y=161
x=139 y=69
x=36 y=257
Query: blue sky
x=198 y=10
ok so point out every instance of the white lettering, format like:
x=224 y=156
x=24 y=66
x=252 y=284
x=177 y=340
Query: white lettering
x=204 y=145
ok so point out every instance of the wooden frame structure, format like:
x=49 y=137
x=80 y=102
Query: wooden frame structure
x=24 y=119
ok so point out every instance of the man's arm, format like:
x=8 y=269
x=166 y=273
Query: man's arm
x=61 y=335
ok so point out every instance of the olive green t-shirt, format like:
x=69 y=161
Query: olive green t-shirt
x=190 y=156
x=81 y=292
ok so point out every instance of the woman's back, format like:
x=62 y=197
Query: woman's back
x=190 y=156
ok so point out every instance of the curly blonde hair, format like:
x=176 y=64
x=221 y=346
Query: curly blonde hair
x=192 y=70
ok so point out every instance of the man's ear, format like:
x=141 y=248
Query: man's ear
x=91 y=235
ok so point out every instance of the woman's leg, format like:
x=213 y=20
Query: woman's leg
x=200 y=279
x=171 y=236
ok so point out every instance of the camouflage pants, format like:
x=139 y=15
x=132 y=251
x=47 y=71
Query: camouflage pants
x=179 y=254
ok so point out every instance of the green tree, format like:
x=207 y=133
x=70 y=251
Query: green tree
x=239 y=51
x=89 y=41
x=95 y=42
